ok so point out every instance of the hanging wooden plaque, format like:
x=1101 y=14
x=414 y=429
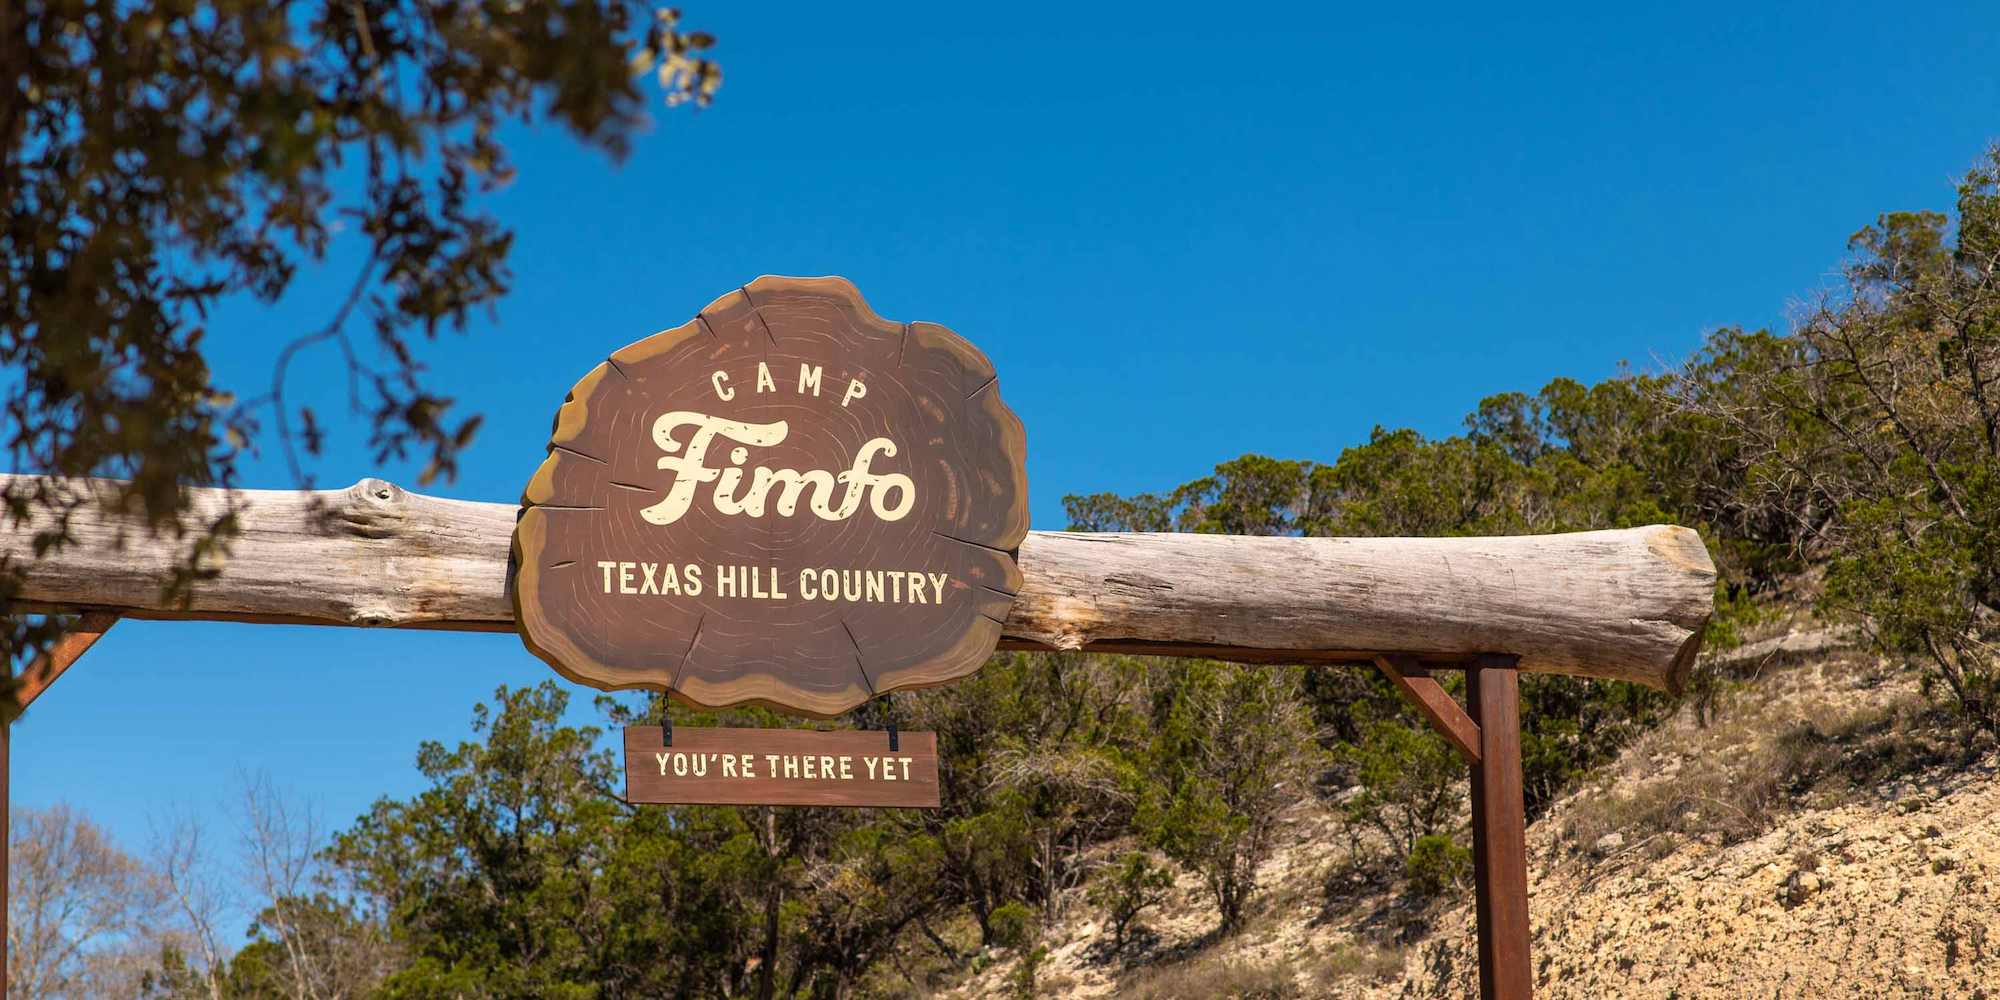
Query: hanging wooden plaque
x=787 y=500
x=781 y=767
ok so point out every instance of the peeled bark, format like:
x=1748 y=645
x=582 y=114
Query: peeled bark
x=1626 y=604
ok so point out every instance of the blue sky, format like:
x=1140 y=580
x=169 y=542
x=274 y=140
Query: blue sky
x=1181 y=236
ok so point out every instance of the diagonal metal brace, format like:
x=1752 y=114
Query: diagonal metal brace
x=1415 y=681
x=90 y=627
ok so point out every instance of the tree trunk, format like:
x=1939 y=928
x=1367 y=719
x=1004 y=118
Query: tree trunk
x=1627 y=604
x=767 y=975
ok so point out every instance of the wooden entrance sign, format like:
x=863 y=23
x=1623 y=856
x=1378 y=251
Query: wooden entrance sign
x=786 y=501
x=1629 y=604
x=781 y=767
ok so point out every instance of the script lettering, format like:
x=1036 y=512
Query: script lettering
x=890 y=495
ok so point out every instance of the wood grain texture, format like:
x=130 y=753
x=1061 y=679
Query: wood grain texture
x=1626 y=604
x=722 y=605
x=781 y=767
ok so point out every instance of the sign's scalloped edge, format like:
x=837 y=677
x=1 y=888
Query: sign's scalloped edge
x=960 y=660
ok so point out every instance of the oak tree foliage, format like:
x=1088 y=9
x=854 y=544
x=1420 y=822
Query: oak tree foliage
x=158 y=157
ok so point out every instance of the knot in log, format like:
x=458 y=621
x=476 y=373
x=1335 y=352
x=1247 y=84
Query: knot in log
x=372 y=508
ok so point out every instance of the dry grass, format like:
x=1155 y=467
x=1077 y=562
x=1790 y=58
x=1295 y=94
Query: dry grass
x=1769 y=751
x=1231 y=978
x=1241 y=978
x=1352 y=962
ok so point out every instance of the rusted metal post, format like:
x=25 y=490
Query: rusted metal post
x=89 y=628
x=1488 y=736
x=6 y=847
x=1499 y=830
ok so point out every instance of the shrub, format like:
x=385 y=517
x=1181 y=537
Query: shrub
x=1411 y=781
x=1436 y=864
x=1013 y=924
x=1133 y=885
x=1231 y=747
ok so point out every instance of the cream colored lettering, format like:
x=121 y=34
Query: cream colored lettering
x=722 y=392
x=804 y=767
x=794 y=484
x=855 y=390
x=758 y=589
x=764 y=379
x=937 y=584
x=725 y=498
x=809 y=375
x=890 y=495
x=690 y=467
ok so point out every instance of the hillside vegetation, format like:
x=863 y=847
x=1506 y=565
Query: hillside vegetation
x=1193 y=828
x=1829 y=835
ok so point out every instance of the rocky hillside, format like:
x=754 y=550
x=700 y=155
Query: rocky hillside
x=1823 y=835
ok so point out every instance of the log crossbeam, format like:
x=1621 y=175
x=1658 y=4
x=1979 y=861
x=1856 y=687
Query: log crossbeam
x=1626 y=604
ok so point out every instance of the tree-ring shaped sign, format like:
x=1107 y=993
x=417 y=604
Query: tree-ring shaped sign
x=787 y=501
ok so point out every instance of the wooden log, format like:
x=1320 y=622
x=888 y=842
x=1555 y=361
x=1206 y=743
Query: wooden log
x=1627 y=604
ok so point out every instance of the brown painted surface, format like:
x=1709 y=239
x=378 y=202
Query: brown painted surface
x=1413 y=679
x=722 y=599
x=46 y=668
x=1499 y=831
x=781 y=767
x=6 y=837
x=90 y=627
